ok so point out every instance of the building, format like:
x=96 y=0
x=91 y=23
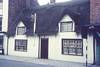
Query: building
x=55 y=31
x=3 y=25
x=95 y=25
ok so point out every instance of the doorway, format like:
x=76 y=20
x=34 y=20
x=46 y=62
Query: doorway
x=97 y=60
x=44 y=48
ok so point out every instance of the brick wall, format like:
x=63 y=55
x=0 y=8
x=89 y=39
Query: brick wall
x=95 y=11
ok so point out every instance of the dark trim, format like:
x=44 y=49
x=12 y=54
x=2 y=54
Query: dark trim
x=21 y=40
x=73 y=47
x=39 y=48
x=7 y=44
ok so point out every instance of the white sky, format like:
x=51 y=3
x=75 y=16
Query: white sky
x=43 y=2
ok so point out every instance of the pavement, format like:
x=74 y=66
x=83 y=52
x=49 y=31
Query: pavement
x=53 y=63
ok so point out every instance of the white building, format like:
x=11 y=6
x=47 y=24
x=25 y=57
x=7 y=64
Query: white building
x=50 y=32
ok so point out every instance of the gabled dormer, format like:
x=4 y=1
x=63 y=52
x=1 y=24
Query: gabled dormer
x=66 y=24
x=21 y=29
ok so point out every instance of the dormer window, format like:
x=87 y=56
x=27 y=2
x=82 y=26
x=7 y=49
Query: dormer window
x=21 y=30
x=66 y=26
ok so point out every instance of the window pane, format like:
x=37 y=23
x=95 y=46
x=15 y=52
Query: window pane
x=21 y=30
x=66 y=26
x=72 y=51
x=65 y=50
x=21 y=45
x=79 y=51
x=72 y=46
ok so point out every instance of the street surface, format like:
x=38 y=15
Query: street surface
x=12 y=63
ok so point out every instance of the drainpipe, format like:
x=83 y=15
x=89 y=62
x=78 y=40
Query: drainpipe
x=39 y=48
x=7 y=44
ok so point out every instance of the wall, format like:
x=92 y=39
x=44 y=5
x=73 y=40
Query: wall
x=94 y=11
x=5 y=15
x=32 y=47
x=1 y=8
x=55 y=48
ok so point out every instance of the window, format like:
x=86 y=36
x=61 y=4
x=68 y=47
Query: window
x=72 y=47
x=21 y=45
x=66 y=26
x=21 y=30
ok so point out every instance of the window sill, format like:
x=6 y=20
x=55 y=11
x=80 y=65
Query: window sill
x=72 y=55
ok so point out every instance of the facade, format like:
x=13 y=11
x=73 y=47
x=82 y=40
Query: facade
x=3 y=25
x=56 y=31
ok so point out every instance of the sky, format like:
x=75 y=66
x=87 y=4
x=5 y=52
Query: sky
x=43 y=2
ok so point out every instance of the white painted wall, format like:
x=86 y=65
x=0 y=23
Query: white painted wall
x=5 y=44
x=32 y=47
x=5 y=15
x=90 y=49
x=55 y=48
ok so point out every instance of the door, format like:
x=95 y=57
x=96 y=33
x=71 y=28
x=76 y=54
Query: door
x=98 y=52
x=44 y=48
x=1 y=46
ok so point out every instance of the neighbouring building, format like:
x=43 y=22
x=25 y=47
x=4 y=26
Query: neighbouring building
x=95 y=28
x=3 y=25
x=60 y=31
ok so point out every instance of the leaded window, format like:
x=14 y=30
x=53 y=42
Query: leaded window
x=21 y=45
x=21 y=30
x=72 y=47
x=66 y=26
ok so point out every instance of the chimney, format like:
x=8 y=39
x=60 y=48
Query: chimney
x=52 y=1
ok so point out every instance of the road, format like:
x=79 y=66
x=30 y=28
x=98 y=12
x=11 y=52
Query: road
x=11 y=63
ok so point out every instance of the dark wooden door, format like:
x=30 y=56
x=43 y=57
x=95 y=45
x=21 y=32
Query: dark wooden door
x=44 y=48
x=98 y=52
